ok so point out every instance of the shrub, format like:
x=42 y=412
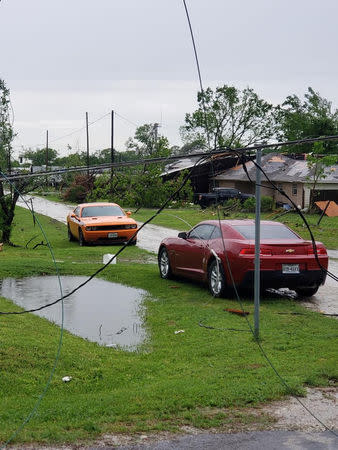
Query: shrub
x=249 y=205
x=79 y=189
x=266 y=204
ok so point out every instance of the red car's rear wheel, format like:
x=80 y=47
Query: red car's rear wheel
x=216 y=279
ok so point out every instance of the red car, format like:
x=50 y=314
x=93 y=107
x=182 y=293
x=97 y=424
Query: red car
x=207 y=251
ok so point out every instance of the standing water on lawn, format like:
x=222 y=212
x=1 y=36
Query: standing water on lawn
x=103 y=312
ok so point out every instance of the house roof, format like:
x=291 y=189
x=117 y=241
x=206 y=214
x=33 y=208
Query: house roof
x=279 y=168
x=189 y=161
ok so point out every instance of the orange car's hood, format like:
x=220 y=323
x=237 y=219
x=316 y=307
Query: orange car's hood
x=107 y=220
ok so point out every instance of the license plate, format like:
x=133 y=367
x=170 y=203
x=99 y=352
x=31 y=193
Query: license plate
x=112 y=235
x=290 y=268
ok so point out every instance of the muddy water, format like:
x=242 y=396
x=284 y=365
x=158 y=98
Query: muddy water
x=103 y=312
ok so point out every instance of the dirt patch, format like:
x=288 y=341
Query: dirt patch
x=291 y=415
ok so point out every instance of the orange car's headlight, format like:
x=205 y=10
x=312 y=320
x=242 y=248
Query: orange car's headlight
x=131 y=226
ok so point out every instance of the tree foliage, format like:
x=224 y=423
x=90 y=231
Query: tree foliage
x=146 y=141
x=308 y=118
x=38 y=156
x=318 y=163
x=9 y=192
x=228 y=117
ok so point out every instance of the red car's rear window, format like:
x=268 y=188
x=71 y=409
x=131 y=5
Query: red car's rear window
x=267 y=231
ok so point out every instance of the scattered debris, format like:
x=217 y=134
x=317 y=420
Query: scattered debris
x=179 y=331
x=239 y=312
x=329 y=207
x=121 y=330
x=174 y=287
x=1 y=246
x=66 y=379
x=200 y=324
x=41 y=243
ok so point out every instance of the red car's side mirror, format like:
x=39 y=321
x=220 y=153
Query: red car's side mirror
x=183 y=235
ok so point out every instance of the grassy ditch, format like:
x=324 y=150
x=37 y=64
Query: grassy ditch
x=204 y=377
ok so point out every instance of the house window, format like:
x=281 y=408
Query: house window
x=294 y=189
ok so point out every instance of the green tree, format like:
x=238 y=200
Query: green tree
x=146 y=141
x=38 y=156
x=308 y=118
x=228 y=117
x=318 y=163
x=9 y=192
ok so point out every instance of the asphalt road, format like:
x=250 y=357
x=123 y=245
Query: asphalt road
x=262 y=440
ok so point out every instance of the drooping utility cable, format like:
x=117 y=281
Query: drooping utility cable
x=264 y=354
x=169 y=199
x=298 y=210
x=199 y=73
x=58 y=351
x=240 y=302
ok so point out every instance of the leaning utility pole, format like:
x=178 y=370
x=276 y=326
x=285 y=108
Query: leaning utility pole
x=156 y=125
x=112 y=156
x=87 y=134
x=46 y=156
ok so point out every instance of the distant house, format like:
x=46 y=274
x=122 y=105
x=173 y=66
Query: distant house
x=293 y=176
x=202 y=172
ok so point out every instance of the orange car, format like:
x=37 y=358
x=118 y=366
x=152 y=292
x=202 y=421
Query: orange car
x=105 y=222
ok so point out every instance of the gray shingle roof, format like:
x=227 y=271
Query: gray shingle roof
x=279 y=168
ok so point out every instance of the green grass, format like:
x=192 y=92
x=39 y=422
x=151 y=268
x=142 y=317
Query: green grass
x=202 y=377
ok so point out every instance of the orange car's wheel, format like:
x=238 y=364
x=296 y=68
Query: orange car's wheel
x=82 y=241
x=70 y=236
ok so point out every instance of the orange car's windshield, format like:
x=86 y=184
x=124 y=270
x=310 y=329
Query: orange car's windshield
x=103 y=210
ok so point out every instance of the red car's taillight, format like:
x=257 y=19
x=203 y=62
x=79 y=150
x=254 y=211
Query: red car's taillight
x=251 y=251
x=320 y=251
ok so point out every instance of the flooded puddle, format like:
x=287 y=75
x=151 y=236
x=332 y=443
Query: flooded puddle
x=102 y=312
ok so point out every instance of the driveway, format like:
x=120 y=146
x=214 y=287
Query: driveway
x=150 y=237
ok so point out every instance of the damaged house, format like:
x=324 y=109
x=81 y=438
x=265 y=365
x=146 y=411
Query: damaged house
x=292 y=175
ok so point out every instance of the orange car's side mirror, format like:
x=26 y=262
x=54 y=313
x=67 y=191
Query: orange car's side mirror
x=128 y=213
x=73 y=215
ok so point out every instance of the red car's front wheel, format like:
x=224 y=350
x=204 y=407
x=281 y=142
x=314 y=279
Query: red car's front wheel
x=164 y=263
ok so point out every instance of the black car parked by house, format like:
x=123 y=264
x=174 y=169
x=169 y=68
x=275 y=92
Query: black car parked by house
x=219 y=196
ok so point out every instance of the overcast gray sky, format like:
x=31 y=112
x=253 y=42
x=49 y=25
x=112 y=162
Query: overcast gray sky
x=62 y=58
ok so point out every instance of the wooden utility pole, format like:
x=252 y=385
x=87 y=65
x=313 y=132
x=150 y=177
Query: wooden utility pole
x=87 y=134
x=112 y=156
x=47 y=156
